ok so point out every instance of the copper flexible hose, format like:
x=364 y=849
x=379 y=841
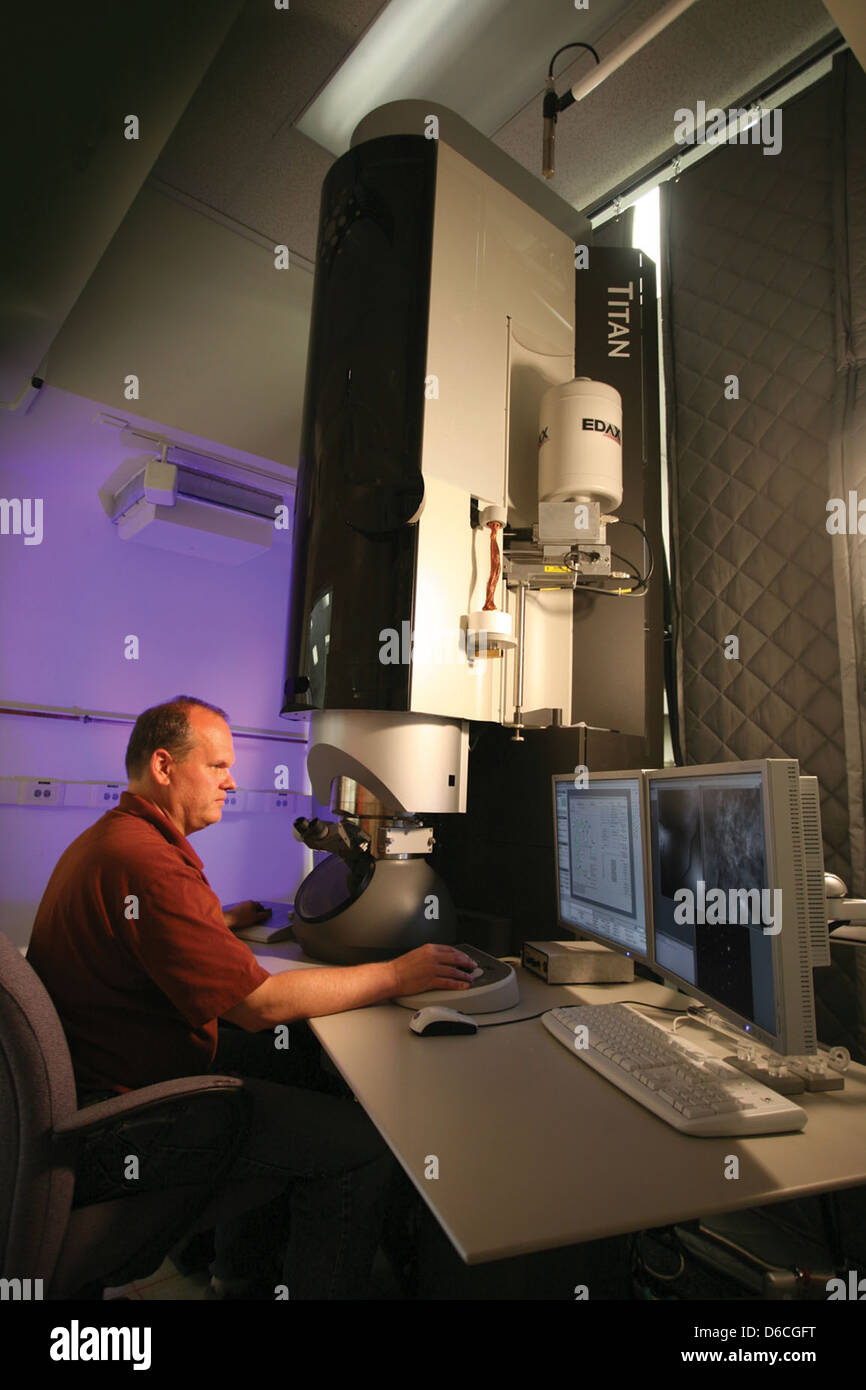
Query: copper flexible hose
x=495 y=566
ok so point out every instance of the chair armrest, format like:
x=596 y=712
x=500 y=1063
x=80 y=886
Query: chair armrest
x=94 y=1117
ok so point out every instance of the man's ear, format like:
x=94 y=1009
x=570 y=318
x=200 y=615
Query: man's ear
x=160 y=764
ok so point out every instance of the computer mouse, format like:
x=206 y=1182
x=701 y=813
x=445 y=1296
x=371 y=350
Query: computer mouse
x=437 y=1020
x=834 y=886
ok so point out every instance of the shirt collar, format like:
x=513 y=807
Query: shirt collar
x=134 y=805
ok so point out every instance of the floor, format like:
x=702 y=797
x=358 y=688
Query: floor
x=168 y=1284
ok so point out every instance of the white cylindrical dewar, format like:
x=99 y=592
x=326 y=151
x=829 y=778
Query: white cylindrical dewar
x=580 y=443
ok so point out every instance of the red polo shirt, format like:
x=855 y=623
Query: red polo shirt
x=130 y=943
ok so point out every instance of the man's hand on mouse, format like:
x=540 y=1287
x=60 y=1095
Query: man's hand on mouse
x=246 y=914
x=432 y=967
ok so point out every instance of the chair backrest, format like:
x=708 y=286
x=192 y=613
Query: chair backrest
x=37 y=1092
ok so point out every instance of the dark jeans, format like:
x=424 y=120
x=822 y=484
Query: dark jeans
x=310 y=1144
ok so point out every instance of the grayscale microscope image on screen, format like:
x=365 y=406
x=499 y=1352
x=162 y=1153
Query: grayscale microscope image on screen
x=600 y=861
x=709 y=885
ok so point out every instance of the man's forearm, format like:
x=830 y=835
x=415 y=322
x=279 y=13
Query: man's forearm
x=309 y=993
x=295 y=994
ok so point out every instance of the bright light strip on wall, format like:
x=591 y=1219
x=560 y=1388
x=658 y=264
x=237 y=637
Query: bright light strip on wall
x=401 y=54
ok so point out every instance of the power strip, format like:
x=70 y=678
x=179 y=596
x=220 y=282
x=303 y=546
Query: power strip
x=794 y=1078
x=786 y=1083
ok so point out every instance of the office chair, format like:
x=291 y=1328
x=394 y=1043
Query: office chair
x=75 y=1251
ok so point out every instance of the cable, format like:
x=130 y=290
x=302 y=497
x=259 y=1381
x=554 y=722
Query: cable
x=505 y=1022
x=623 y=561
x=572 y=560
x=551 y=107
x=649 y=574
x=640 y=588
x=610 y=593
x=741 y=1250
x=587 y=46
x=644 y=1004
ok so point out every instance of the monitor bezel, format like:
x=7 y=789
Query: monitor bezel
x=583 y=933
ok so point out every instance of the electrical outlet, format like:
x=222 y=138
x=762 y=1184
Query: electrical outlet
x=235 y=801
x=106 y=795
x=40 y=792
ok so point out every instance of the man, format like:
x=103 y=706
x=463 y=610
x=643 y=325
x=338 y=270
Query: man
x=140 y=960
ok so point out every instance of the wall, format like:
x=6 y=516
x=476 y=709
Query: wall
x=215 y=333
x=69 y=172
x=66 y=606
x=217 y=337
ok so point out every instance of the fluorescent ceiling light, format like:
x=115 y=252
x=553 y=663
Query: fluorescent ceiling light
x=410 y=41
x=483 y=58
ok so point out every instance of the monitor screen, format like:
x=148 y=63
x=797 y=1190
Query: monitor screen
x=599 y=859
x=715 y=918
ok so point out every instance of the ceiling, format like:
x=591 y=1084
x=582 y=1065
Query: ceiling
x=222 y=84
x=238 y=150
x=484 y=60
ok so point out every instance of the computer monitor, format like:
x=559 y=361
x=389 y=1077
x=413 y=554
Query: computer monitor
x=733 y=914
x=600 y=848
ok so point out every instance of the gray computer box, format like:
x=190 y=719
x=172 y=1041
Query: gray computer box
x=577 y=963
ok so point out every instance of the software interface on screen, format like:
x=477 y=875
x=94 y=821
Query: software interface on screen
x=599 y=860
x=706 y=835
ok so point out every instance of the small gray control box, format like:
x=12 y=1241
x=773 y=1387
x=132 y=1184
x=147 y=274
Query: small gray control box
x=577 y=963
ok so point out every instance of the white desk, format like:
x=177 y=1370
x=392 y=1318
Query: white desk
x=536 y=1150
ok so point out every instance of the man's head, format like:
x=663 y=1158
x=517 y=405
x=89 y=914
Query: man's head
x=180 y=755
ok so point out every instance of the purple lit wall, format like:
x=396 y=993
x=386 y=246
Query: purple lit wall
x=66 y=606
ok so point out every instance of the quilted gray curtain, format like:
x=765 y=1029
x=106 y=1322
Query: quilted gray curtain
x=765 y=336
x=847 y=476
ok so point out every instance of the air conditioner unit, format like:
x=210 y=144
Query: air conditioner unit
x=192 y=505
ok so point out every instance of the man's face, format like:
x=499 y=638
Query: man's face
x=199 y=783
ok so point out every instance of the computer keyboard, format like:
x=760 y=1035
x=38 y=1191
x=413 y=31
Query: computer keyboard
x=683 y=1085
